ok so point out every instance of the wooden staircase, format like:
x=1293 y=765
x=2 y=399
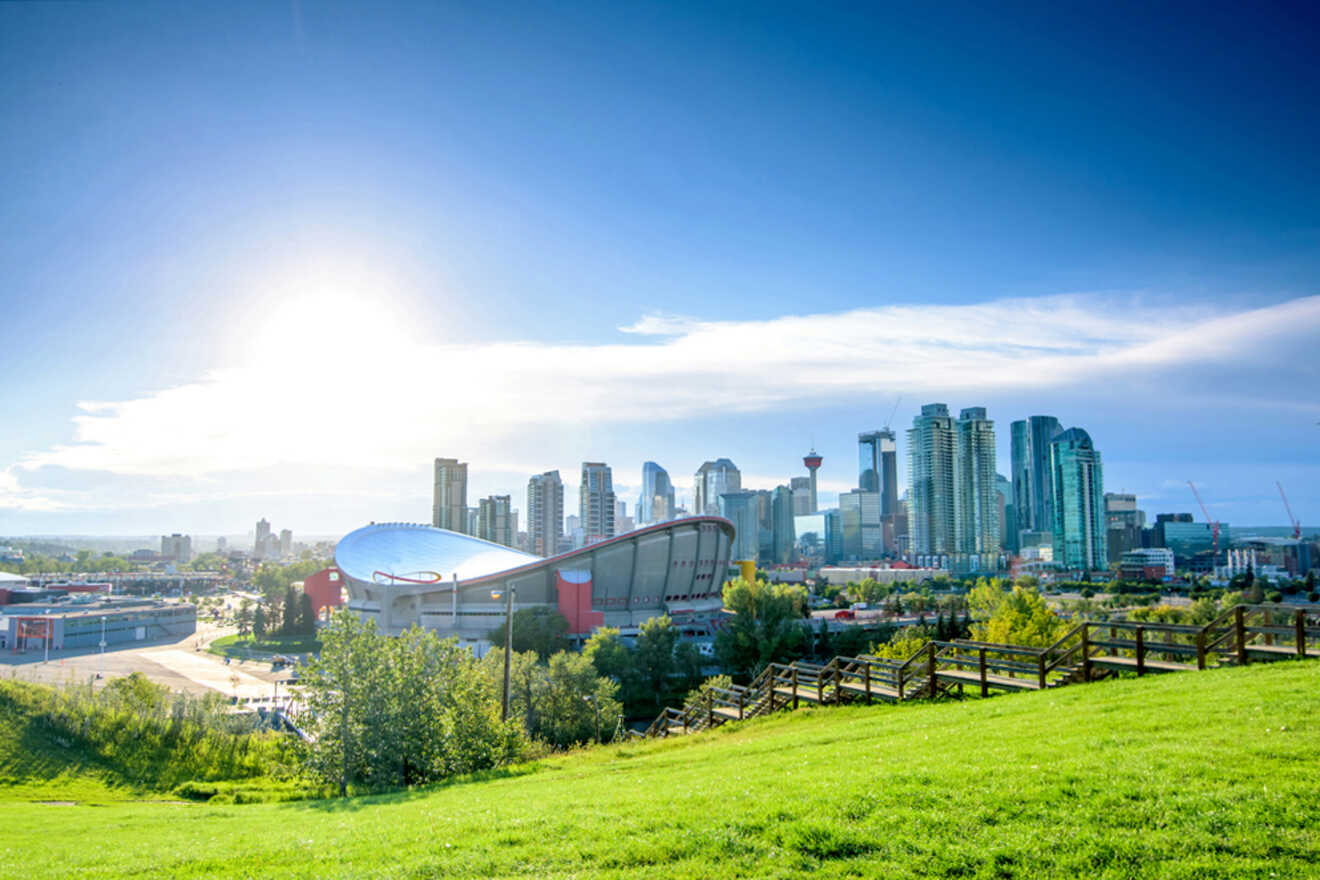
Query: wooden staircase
x=1089 y=651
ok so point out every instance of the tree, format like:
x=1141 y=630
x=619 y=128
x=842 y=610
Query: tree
x=244 y=617
x=540 y=629
x=555 y=702
x=289 y=620
x=399 y=711
x=1017 y=618
x=904 y=643
x=259 y=623
x=654 y=655
x=689 y=663
x=306 y=615
x=766 y=626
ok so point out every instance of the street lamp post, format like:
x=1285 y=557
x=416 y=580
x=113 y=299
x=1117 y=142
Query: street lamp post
x=508 y=644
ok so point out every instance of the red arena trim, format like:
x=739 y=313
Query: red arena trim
x=435 y=577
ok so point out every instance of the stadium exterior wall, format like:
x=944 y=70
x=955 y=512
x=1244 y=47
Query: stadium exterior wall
x=676 y=568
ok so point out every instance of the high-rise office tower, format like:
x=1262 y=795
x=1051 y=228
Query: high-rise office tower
x=176 y=548
x=813 y=462
x=976 y=509
x=596 y=501
x=877 y=454
x=1123 y=524
x=261 y=546
x=1080 y=540
x=784 y=537
x=801 y=489
x=286 y=543
x=861 y=525
x=1007 y=515
x=1033 y=490
x=545 y=513
x=740 y=508
x=449 y=502
x=495 y=520
x=931 y=500
x=713 y=479
x=657 y=502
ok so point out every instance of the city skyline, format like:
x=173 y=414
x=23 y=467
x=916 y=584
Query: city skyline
x=236 y=241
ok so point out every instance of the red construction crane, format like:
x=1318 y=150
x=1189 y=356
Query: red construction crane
x=1297 y=527
x=1214 y=524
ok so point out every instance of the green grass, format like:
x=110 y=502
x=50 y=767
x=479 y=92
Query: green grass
x=247 y=647
x=99 y=757
x=1196 y=775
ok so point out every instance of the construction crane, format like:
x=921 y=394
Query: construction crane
x=1297 y=527
x=1214 y=524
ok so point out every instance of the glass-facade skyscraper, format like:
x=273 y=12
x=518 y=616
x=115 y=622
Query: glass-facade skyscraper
x=977 y=507
x=1033 y=492
x=931 y=498
x=449 y=502
x=713 y=479
x=740 y=508
x=861 y=525
x=1080 y=540
x=656 y=503
x=545 y=513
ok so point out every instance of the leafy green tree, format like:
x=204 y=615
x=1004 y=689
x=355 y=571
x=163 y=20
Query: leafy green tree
x=1020 y=617
x=399 y=711
x=903 y=644
x=259 y=623
x=766 y=627
x=244 y=617
x=689 y=663
x=289 y=619
x=306 y=615
x=654 y=654
x=574 y=695
x=540 y=629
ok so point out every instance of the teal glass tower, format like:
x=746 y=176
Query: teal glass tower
x=1079 y=502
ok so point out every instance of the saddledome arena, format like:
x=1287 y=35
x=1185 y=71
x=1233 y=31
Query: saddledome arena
x=401 y=574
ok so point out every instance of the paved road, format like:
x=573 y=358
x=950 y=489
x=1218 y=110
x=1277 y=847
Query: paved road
x=180 y=664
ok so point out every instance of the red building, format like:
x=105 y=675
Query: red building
x=325 y=589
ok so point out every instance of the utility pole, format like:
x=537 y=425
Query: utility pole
x=508 y=645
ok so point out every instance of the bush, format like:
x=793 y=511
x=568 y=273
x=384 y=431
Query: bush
x=1274 y=596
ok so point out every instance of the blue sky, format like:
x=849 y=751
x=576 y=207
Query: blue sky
x=269 y=260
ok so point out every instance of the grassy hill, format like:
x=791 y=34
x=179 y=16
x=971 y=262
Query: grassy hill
x=1207 y=775
x=55 y=746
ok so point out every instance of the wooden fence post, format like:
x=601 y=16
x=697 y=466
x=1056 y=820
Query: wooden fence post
x=1299 y=621
x=1086 y=652
x=742 y=697
x=866 y=679
x=1040 y=669
x=1200 y=649
x=710 y=709
x=985 y=688
x=1240 y=631
x=1141 y=650
x=795 y=696
x=931 y=669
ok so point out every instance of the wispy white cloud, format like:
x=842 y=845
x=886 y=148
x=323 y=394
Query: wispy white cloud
x=385 y=401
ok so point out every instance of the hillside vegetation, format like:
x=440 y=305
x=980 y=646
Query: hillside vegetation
x=131 y=739
x=1205 y=775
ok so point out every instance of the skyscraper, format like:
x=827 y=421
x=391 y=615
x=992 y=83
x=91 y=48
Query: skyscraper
x=286 y=543
x=931 y=500
x=1007 y=514
x=449 y=502
x=740 y=509
x=868 y=461
x=1123 y=524
x=801 y=489
x=545 y=513
x=784 y=535
x=976 y=512
x=596 y=501
x=861 y=525
x=1080 y=540
x=713 y=479
x=1033 y=490
x=656 y=504
x=495 y=519
x=261 y=546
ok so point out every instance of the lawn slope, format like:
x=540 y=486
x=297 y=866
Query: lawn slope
x=1196 y=775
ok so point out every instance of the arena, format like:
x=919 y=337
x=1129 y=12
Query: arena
x=401 y=574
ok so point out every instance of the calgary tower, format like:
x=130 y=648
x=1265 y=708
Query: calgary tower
x=812 y=461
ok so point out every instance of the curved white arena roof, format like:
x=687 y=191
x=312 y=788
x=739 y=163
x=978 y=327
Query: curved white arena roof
x=405 y=553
